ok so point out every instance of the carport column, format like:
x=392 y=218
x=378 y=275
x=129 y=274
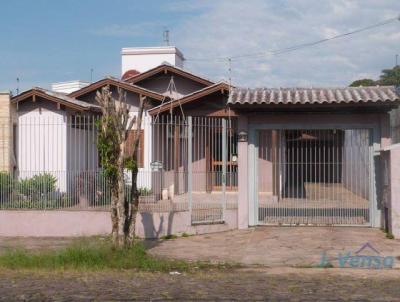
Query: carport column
x=394 y=207
x=377 y=214
x=243 y=202
x=385 y=130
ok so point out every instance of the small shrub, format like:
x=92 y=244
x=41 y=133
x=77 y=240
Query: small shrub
x=144 y=191
x=38 y=186
x=327 y=265
x=6 y=186
x=169 y=237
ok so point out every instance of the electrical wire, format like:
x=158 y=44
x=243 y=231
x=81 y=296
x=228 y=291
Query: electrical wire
x=296 y=47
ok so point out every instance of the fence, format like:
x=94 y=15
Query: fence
x=185 y=164
x=314 y=176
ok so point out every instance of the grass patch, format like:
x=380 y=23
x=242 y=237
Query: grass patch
x=389 y=236
x=169 y=237
x=96 y=255
x=327 y=265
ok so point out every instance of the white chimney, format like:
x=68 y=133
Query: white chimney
x=69 y=86
x=145 y=58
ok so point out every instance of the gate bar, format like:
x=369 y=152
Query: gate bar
x=224 y=151
x=190 y=166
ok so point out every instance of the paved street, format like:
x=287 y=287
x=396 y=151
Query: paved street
x=244 y=284
x=278 y=264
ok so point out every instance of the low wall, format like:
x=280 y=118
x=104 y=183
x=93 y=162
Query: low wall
x=90 y=223
x=390 y=195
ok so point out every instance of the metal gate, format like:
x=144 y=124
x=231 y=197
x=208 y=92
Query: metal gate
x=197 y=160
x=314 y=177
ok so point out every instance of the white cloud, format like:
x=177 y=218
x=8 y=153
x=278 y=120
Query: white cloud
x=228 y=28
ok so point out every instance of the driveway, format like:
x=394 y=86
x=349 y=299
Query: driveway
x=285 y=246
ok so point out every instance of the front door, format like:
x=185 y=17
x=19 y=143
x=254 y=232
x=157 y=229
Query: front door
x=214 y=157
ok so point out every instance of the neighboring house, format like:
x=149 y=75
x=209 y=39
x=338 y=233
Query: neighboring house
x=56 y=132
x=47 y=129
x=253 y=156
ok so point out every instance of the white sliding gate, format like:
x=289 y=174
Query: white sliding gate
x=313 y=177
x=198 y=156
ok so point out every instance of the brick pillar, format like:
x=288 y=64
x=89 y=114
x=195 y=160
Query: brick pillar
x=243 y=203
x=5 y=132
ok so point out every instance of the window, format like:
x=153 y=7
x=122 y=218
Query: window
x=129 y=146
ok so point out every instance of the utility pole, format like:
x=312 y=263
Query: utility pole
x=91 y=75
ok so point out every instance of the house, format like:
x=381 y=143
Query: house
x=213 y=156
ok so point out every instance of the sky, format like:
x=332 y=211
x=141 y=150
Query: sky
x=46 y=41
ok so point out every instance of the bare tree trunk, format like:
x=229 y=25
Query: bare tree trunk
x=121 y=208
x=114 y=216
x=133 y=208
x=116 y=125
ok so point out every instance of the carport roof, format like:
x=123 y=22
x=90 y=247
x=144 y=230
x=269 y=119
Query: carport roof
x=283 y=96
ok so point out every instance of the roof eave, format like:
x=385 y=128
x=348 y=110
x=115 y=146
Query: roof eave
x=33 y=92
x=170 y=68
x=127 y=86
x=189 y=98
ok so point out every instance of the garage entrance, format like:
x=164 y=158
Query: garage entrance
x=314 y=177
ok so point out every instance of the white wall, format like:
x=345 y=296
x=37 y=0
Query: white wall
x=81 y=148
x=145 y=176
x=356 y=162
x=69 y=86
x=41 y=144
x=145 y=58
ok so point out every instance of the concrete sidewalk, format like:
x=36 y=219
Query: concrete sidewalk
x=264 y=246
x=282 y=246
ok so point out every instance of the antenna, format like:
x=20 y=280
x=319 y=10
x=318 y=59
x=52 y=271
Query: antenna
x=166 y=36
x=17 y=86
x=397 y=58
x=91 y=75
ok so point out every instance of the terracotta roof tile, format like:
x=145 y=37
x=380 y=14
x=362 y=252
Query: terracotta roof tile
x=278 y=96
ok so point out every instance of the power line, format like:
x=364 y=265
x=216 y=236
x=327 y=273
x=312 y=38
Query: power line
x=299 y=46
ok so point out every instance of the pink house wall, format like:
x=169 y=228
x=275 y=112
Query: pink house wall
x=91 y=223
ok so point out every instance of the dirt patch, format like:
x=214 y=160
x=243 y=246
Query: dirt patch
x=34 y=243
